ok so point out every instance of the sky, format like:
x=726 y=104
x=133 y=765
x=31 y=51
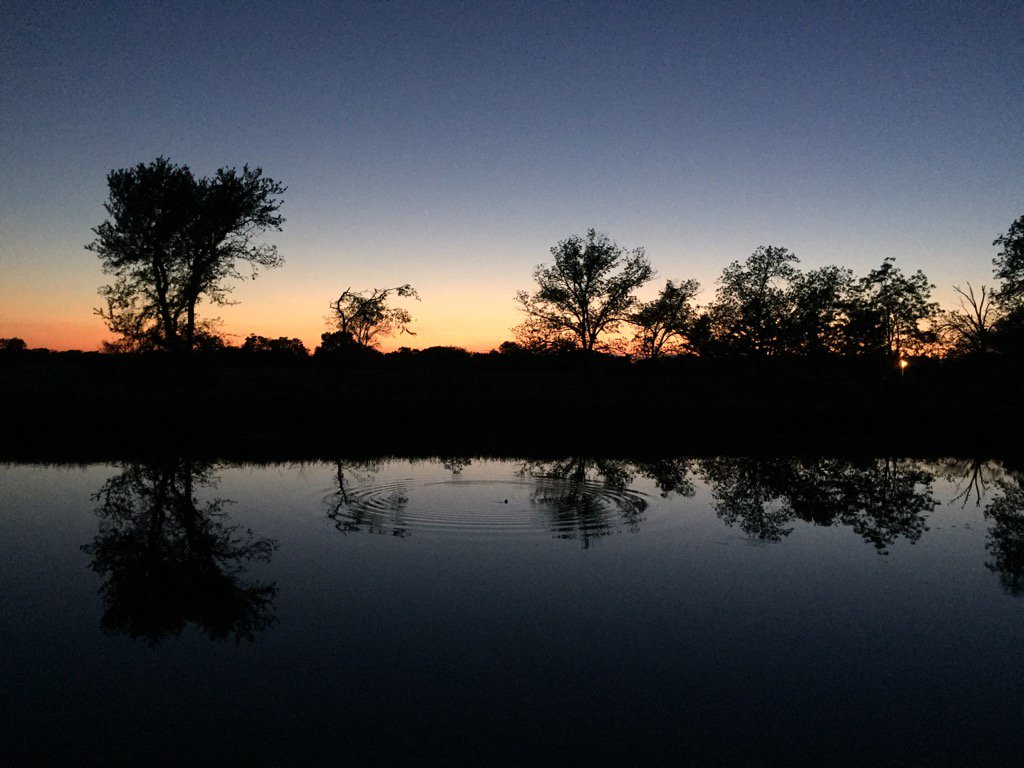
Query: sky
x=451 y=145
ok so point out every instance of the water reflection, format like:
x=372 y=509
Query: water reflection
x=168 y=560
x=1006 y=536
x=355 y=504
x=971 y=479
x=586 y=498
x=670 y=476
x=882 y=500
x=676 y=626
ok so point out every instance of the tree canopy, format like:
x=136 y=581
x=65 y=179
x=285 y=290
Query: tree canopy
x=664 y=325
x=364 y=317
x=752 y=304
x=1009 y=264
x=969 y=327
x=892 y=312
x=172 y=240
x=585 y=294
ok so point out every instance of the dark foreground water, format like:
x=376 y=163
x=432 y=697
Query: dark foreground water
x=687 y=612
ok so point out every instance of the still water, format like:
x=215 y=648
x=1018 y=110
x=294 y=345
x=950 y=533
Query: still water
x=716 y=611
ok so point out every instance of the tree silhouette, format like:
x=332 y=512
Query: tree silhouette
x=12 y=346
x=168 y=561
x=818 y=310
x=172 y=240
x=1009 y=264
x=752 y=304
x=1009 y=270
x=366 y=316
x=664 y=325
x=971 y=325
x=584 y=295
x=891 y=313
x=281 y=347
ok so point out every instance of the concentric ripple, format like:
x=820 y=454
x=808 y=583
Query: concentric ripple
x=504 y=507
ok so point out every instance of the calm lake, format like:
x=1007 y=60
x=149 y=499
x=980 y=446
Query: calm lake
x=713 y=611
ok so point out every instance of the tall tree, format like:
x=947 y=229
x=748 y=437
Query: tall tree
x=585 y=294
x=969 y=327
x=365 y=317
x=1009 y=263
x=892 y=313
x=1009 y=297
x=171 y=241
x=818 y=305
x=752 y=305
x=664 y=325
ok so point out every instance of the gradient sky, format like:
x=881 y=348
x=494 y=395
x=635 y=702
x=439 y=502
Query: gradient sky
x=450 y=145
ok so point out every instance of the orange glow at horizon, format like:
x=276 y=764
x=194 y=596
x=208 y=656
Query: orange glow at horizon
x=88 y=336
x=60 y=336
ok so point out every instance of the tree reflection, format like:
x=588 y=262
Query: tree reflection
x=971 y=478
x=354 y=505
x=881 y=499
x=670 y=475
x=747 y=493
x=586 y=498
x=1006 y=536
x=167 y=560
x=454 y=464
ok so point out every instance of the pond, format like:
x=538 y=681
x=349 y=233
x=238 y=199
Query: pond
x=685 y=611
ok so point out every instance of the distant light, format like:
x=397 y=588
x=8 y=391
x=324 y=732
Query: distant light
x=903 y=365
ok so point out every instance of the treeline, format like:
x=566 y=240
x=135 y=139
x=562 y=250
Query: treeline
x=173 y=241
x=767 y=307
x=174 y=244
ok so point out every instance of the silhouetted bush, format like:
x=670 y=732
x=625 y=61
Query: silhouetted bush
x=12 y=346
x=281 y=347
x=339 y=347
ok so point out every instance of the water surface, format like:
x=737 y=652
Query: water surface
x=676 y=612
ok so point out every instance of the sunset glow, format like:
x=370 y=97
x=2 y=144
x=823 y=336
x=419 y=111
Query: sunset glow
x=457 y=154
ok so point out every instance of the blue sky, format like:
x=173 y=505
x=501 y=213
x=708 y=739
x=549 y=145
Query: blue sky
x=450 y=145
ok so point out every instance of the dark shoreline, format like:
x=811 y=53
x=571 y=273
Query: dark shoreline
x=78 y=407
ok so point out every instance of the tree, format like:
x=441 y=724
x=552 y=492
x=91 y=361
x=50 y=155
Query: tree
x=172 y=241
x=12 y=346
x=752 y=305
x=365 y=316
x=1009 y=263
x=970 y=326
x=1009 y=297
x=585 y=294
x=664 y=325
x=818 y=310
x=281 y=347
x=892 y=313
